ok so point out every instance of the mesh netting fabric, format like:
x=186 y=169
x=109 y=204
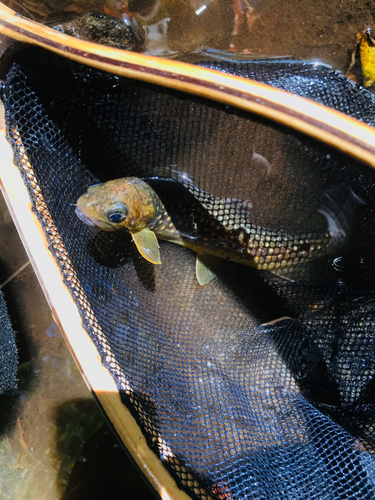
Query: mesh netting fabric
x=235 y=404
x=310 y=79
x=8 y=350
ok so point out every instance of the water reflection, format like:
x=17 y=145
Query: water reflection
x=308 y=30
x=305 y=30
x=156 y=38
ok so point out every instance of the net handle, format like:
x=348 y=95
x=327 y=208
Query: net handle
x=325 y=124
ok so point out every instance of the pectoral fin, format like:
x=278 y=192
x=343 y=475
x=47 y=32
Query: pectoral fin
x=204 y=268
x=147 y=245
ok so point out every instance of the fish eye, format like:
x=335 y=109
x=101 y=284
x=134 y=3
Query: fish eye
x=117 y=214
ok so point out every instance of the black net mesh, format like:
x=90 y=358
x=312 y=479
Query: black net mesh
x=313 y=80
x=257 y=385
x=8 y=350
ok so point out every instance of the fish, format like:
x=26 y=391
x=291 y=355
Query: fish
x=133 y=205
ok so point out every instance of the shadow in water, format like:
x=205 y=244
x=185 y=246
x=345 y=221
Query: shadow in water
x=76 y=421
x=114 y=249
x=83 y=440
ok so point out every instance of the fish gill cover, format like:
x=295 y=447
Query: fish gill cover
x=257 y=385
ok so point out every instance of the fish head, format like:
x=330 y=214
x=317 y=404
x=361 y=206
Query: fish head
x=126 y=203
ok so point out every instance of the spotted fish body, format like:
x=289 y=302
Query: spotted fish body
x=218 y=227
x=250 y=245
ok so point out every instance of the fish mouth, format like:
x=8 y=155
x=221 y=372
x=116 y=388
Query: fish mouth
x=83 y=218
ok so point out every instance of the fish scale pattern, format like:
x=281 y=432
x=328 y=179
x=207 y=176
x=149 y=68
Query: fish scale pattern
x=256 y=386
